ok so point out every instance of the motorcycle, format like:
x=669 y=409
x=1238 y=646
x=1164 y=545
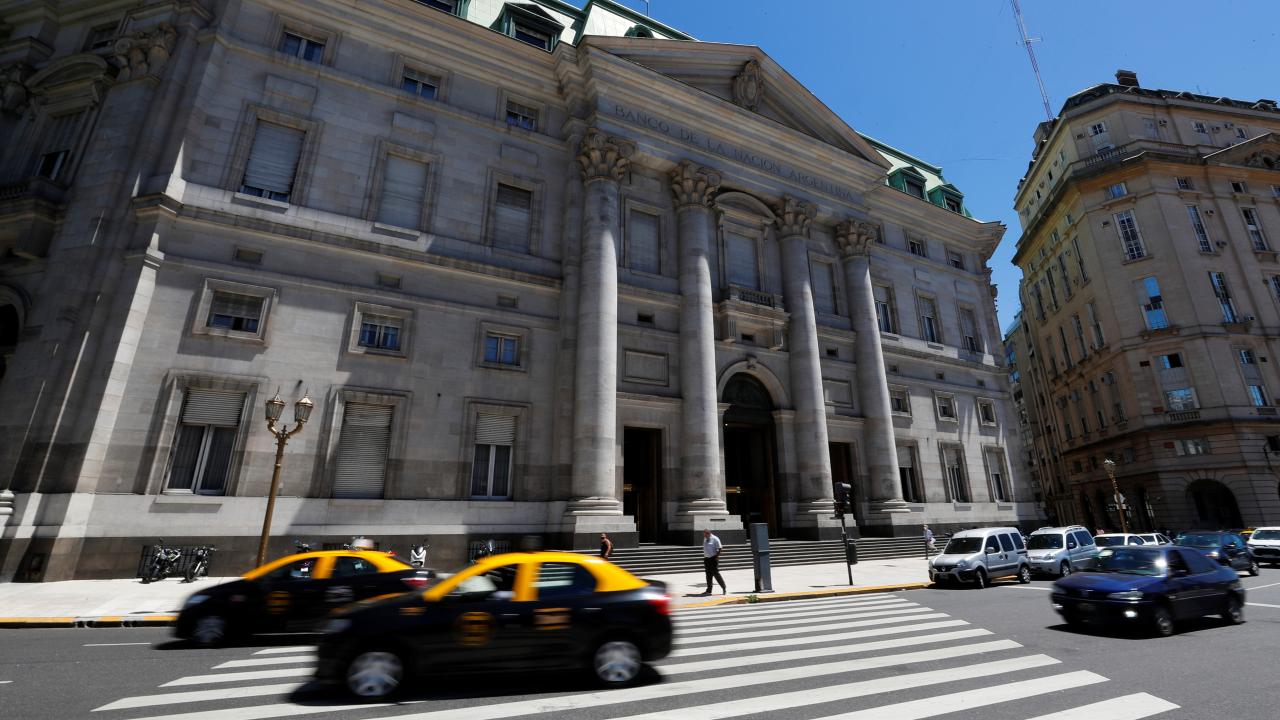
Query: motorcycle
x=162 y=563
x=487 y=549
x=200 y=564
x=301 y=547
x=418 y=554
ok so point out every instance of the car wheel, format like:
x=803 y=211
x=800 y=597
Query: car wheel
x=1234 y=612
x=1024 y=574
x=616 y=662
x=1253 y=568
x=980 y=579
x=1163 y=621
x=209 y=630
x=374 y=674
x=1065 y=570
x=1071 y=618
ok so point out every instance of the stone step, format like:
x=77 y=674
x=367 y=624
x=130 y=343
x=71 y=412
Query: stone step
x=653 y=559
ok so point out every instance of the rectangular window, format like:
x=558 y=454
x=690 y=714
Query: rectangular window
x=522 y=116
x=420 y=84
x=907 y=474
x=914 y=187
x=1275 y=191
x=1053 y=289
x=1066 y=349
x=995 y=472
x=1095 y=326
x=1127 y=227
x=502 y=349
x=380 y=332
x=1172 y=361
x=643 y=242
x=273 y=161
x=491 y=460
x=1179 y=399
x=929 y=329
x=1202 y=237
x=824 y=287
x=1219 y=283
x=957 y=479
x=1097 y=128
x=1184 y=183
x=1117 y=190
x=1078 y=327
x=449 y=6
x=1153 y=304
x=363 y=446
x=205 y=440
x=1255 y=229
x=743 y=265
x=955 y=259
x=1062 y=272
x=986 y=412
x=1075 y=246
x=900 y=400
x=235 y=312
x=1191 y=446
x=1199 y=127
x=404 y=185
x=946 y=407
x=526 y=34
x=916 y=247
x=513 y=218
x=972 y=339
x=1275 y=286
x=300 y=46
x=1258 y=396
x=1039 y=297
x=1242 y=134
x=1239 y=186
x=886 y=315
x=952 y=204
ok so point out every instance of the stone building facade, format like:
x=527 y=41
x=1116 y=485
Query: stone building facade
x=1151 y=305
x=543 y=270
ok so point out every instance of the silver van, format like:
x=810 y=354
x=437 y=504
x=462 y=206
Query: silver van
x=1061 y=550
x=981 y=555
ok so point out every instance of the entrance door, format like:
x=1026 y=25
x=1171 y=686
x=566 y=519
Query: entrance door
x=749 y=453
x=642 y=479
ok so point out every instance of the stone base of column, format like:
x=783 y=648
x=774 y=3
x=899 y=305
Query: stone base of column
x=817 y=520
x=891 y=518
x=585 y=518
x=694 y=516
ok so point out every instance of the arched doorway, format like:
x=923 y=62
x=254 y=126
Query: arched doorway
x=1214 y=505
x=749 y=452
x=9 y=322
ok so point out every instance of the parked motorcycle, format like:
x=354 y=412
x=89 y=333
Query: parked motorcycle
x=418 y=554
x=199 y=565
x=488 y=548
x=301 y=547
x=162 y=563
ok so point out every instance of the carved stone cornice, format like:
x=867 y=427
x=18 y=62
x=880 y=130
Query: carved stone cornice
x=13 y=88
x=144 y=53
x=694 y=184
x=854 y=237
x=794 y=216
x=603 y=157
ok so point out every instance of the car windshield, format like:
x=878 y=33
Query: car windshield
x=1132 y=561
x=1045 y=542
x=963 y=546
x=1104 y=541
x=1266 y=535
x=1202 y=540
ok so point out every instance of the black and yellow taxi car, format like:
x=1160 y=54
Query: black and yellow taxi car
x=294 y=593
x=511 y=612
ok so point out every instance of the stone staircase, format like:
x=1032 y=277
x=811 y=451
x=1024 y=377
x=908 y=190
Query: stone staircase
x=651 y=559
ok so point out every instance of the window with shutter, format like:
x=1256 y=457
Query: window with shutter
x=206 y=438
x=824 y=287
x=886 y=316
x=363 y=446
x=907 y=474
x=643 y=242
x=958 y=482
x=404 y=184
x=995 y=469
x=491 y=461
x=512 y=218
x=235 y=312
x=57 y=141
x=969 y=328
x=273 y=161
x=742 y=263
x=929 y=329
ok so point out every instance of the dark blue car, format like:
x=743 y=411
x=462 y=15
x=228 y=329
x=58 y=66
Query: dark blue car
x=1150 y=586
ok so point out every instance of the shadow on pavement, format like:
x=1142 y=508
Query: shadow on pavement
x=1140 y=631
x=253 y=641
x=470 y=687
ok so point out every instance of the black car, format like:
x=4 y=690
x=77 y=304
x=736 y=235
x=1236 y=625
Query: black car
x=1150 y=585
x=514 y=612
x=1227 y=548
x=294 y=593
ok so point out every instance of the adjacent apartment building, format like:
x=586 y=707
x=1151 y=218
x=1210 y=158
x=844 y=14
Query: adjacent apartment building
x=543 y=269
x=1151 y=305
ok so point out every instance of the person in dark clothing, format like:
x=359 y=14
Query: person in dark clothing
x=711 y=547
x=606 y=546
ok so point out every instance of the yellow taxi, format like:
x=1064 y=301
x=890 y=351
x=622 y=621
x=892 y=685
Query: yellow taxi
x=294 y=593
x=512 y=612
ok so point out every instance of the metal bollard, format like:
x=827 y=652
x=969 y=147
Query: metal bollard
x=760 y=556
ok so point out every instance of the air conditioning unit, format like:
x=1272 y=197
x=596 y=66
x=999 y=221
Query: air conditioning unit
x=1164 y=123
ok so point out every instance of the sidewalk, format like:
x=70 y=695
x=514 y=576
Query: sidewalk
x=107 y=603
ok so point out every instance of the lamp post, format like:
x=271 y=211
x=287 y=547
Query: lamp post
x=301 y=413
x=1111 y=473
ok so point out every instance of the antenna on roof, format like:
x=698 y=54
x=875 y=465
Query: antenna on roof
x=646 y=8
x=1035 y=66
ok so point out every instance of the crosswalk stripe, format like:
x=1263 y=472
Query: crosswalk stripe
x=1128 y=707
x=837 y=637
x=238 y=676
x=296 y=649
x=290 y=660
x=898 y=616
x=779 y=657
x=848 y=691
x=820 y=612
x=800 y=604
x=261 y=712
x=773 y=622
x=199 y=696
x=970 y=699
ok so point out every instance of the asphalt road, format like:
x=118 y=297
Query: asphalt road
x=996 y=654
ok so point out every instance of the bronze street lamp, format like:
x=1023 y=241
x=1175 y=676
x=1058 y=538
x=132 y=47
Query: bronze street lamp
x=301 y=413
x=1111 y=473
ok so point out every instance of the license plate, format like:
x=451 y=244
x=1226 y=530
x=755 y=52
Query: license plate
x=1086 y=607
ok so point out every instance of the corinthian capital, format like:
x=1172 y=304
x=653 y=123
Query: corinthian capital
x=693 y=184
x=602 y=156
x=855 y=236
x=794 y=216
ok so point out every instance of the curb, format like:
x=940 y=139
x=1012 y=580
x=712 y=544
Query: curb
x=806 y=595
x=102 y=621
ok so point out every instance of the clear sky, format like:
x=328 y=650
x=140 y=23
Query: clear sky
x=947 y=81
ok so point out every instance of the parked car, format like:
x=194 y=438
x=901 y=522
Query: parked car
x=1150 y=585
x=1227 y=548
x=980 y=556
x=1113 y=539
x=1061 y=550
x=1264 y=543
x=1155 y=539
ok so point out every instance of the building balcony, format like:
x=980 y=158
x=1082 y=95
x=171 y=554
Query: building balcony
x=1182 y=416
x=738 y=293
x=29 y=211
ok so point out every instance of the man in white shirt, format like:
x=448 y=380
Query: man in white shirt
x=711 y=547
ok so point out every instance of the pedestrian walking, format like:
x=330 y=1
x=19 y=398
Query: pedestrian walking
x=711 y=547
x=928 y=539
x=606 y=546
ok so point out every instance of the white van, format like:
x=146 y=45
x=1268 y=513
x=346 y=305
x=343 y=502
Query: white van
x=981 y=555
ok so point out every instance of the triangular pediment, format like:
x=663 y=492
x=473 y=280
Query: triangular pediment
x=1259 y=152
x=744 y=76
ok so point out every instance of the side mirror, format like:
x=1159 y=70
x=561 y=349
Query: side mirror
x=992 y=549
x=1072 y=545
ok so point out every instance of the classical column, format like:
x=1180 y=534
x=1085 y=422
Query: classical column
x=813 y=456
x=883 y=489
x=702 y=486
x=604 y=161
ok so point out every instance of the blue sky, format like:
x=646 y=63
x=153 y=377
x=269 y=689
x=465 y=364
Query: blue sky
x=948 y=81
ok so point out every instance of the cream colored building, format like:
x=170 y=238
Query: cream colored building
x=1151 y=295
x=544 y=269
